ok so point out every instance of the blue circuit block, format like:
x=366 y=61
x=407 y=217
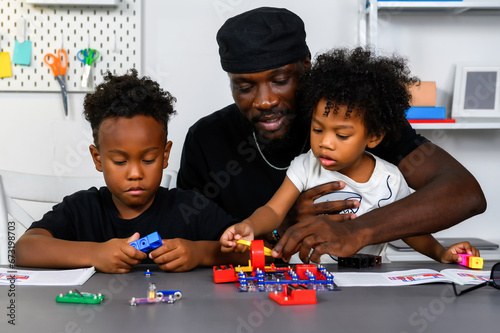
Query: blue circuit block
x=154 y=240
x=148 y=243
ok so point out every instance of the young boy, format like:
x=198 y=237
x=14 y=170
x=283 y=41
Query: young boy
x=355 y=100
x=129 y=118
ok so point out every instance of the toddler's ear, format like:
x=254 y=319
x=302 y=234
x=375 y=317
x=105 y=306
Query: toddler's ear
x=374 y=140
x=96 y=157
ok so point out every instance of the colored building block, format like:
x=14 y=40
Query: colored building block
x=302 y=270
x=471 y=261
x=223 y=274
x=147 y=243
x=154 y=240
x=476 y=262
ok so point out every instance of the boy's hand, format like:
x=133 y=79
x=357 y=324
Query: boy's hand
x=232 y=234
x=176 y=255
x=117 y=255
x=450 y=254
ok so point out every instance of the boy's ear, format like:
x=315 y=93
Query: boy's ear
x=166 y=153
x=374 y=140
x=96 y=157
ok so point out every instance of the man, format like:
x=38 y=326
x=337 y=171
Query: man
x=238 y=156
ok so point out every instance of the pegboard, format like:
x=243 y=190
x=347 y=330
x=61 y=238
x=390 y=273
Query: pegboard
x=113 y=31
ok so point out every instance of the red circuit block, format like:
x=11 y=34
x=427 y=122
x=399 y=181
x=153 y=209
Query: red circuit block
x=257 y=256
x=303 y=268
x=223 y=274
x=294 y=296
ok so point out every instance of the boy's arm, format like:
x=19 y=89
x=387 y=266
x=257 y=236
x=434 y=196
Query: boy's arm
x=38 y=248
x=180 y=255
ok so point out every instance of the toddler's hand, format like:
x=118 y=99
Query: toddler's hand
x=450 y=254
x=232 y=234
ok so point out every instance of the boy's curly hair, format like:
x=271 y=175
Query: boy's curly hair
x=127 y=96
x=375 y=85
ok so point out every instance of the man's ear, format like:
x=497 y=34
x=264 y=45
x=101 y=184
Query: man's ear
x=307 y=62
x=96 y=157
x=374 y=140
x=166 y=153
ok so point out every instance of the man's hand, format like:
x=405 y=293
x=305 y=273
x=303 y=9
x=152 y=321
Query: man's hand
x=303 y=225
x=177 y=255
x=305 y=208
x=321 y=234
x=117 y=255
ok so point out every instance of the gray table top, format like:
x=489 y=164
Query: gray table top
x=206 y=307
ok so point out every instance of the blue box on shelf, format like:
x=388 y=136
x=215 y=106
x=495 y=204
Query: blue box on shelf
x=426 y=112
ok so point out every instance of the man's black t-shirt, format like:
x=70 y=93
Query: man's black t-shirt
x=220 y=159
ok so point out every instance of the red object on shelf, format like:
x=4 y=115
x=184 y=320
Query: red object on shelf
x=430 y=121
x=223 y=274
x=296 y=296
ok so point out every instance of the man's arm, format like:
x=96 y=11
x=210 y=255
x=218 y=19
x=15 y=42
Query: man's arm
x=446 y=194
x=38 y=248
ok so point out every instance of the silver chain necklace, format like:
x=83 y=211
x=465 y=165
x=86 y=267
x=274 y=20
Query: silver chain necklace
x=265 y=159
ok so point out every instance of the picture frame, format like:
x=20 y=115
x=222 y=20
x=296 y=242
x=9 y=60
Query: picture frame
x=477 y=91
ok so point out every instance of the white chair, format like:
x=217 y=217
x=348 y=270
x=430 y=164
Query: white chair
x=38 y=188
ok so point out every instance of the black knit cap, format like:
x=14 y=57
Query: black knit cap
x=261 y=39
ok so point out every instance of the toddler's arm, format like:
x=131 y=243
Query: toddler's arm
x=38 y=248
x=429 y=246
x=264 y=220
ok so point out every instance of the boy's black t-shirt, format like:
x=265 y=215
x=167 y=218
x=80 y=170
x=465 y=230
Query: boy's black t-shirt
x=91 y=215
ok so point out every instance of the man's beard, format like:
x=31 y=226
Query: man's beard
x=288 y=142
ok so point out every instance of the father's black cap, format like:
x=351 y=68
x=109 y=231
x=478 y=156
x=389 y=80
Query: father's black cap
x=261 y=39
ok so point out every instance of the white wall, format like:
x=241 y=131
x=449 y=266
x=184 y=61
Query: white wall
x=180 y=52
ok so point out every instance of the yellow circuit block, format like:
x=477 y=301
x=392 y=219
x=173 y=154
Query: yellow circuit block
x=475 y=262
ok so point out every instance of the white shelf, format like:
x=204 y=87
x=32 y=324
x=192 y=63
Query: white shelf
x=368 y=12
x=455 y=7
x=459 y=125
